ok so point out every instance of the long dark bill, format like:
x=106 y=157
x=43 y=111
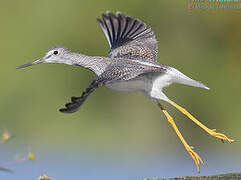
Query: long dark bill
x=30 y=64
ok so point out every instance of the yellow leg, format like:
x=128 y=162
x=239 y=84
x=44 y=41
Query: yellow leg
x=212 y=132
x=189 y=149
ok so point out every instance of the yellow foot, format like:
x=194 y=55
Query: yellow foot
x=189 y=149
x=195 y=156
x=220 y=136
x=212 y=132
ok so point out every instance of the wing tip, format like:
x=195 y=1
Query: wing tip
x=122 y=30
x=63 y=110
x=127 y=28
x=67 y=110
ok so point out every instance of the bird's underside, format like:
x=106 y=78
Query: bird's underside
x=131 y=65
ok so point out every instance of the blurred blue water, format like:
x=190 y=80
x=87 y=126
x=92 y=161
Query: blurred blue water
x=96 y=165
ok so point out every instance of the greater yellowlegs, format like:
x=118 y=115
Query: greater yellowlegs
x=130 y=66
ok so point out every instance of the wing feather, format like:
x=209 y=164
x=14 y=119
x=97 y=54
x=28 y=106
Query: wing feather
x=128 y=37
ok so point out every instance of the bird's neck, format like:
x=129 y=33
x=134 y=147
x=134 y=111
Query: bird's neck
x=94 y=63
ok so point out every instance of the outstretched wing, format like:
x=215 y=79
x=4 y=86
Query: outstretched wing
x=128 y=37
x=76 y=102
x=118 y=71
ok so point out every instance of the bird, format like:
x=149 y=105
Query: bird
x=131 y=65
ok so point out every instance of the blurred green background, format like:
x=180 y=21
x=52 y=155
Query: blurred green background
x=203 y=44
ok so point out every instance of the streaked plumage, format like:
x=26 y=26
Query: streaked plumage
x=130 y=66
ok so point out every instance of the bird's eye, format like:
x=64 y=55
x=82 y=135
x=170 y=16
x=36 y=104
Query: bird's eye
x=56 y=52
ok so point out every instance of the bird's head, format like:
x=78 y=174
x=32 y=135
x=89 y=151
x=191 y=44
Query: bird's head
x=53 y=55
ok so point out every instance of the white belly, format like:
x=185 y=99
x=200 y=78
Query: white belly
x=131 y=85
x=151 y=85
x=140 y=83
